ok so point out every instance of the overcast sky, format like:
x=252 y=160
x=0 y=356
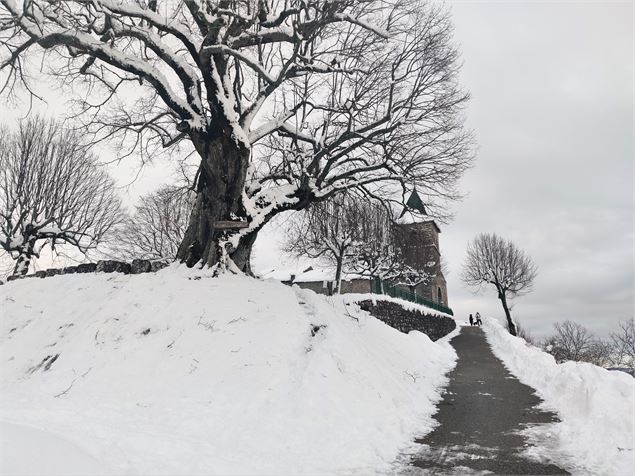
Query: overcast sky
x=552 y=112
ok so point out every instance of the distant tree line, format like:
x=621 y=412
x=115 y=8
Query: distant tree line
x=571 y=341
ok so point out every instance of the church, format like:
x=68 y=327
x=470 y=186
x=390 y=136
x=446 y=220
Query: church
x=419 y=243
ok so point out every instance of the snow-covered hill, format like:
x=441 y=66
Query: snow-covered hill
x=180 y=373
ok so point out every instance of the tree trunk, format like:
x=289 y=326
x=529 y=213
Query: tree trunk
x=23 y=262
x=338 y=275
x=510 y=324
x=219 y=187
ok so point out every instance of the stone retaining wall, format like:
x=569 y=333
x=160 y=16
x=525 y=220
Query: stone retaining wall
x=406 y=320
x=138 y=266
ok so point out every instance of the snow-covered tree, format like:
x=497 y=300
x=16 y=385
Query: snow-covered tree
x=492 y=260
x=157 y=227
x=52 y=191
x=285 y=103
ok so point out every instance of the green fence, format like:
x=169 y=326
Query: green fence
x=381 y=287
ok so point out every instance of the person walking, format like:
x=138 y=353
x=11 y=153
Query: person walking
x=471 y=320
x=478 y=319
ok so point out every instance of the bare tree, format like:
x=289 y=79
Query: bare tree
x=492 y=260
x=158 y=225
x=284 y=103
x=377 y=251
x=325 y=230
x=52 y=191
x=356 y=235
x=624 y=345
x=600 y=353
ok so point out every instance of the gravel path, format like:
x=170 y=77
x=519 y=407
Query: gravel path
x=483 y=408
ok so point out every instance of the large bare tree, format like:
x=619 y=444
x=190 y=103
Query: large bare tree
x=492 y=260
x=157 y=227
x=285 y=103
x=52 y=191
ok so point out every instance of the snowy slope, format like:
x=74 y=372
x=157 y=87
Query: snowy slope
x=180 y=373
x=596 y=406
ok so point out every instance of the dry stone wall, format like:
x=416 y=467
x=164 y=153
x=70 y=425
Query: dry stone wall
x=138 y=266
x=405 y=320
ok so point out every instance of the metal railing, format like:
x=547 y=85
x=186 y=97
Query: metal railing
x=381 y=287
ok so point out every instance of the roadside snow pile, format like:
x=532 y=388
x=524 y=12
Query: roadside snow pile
x=596 y=406
x=180 y=373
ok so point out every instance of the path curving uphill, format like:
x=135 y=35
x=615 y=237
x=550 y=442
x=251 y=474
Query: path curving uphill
x=482 y=411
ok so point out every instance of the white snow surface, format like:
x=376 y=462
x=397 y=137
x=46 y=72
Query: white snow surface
x=181 y=373
x=596 y=407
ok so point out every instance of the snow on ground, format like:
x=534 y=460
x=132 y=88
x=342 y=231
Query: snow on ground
x=180 y=373
x=596 y=406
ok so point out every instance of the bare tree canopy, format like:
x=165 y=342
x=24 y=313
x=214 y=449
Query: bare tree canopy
x=157 y=227
x=285 y=103
x=492 y=260
x=325 y=230
x=623 y=341
x=573 y=341
x=357 y=235
x=52 y=191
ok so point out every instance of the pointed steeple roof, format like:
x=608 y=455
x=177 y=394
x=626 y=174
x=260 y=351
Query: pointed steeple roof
x=414 y=203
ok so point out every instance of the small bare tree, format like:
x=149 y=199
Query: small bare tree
x=325 y=230
x=52 y=191
x=599 y=353
x=570 y=342
x=355 y=234
x=624 y=345
x=492 y=260
x=158 y=225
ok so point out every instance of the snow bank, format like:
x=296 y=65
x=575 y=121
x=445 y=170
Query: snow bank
x=596 y=406
x=27 y=451
x=180 y=373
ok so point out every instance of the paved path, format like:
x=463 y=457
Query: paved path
x=482 y=408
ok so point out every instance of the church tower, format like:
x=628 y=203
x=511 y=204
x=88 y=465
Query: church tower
x=420 y=244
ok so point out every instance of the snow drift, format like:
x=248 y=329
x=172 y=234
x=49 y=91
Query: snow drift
x=596 y=406
x=180 y=373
